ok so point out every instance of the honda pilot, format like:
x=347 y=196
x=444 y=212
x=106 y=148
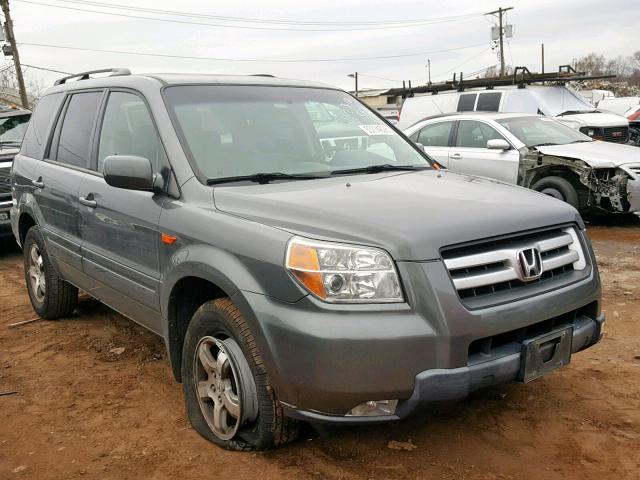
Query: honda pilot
x=295 y=272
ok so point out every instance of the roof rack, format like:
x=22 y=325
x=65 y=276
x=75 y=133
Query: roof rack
x=520 y=77
x=115 y=72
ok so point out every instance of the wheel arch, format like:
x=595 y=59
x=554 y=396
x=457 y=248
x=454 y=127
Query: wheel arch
x=25 y=221
x=194 y=282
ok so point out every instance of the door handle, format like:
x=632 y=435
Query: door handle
x=456 y=156
x=88 y=201
x=38 y=183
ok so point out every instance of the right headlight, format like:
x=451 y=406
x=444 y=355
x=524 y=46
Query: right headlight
x=341 y=273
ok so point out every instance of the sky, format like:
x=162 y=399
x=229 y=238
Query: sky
x=455 y=36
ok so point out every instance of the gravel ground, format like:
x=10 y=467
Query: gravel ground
x=95 y=399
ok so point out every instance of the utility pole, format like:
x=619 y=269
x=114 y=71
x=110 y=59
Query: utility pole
x=14 y=50
x=355 y=76
x=429 y=70
x=500 y=12
x=542 y=57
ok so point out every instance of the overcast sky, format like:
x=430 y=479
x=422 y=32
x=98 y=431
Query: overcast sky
x=568 y=28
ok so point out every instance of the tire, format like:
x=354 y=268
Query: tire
x=51 y=297
x=559 y=188
x=254 y=419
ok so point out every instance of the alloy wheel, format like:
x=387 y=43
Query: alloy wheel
x=37 y=277
x=216 y=382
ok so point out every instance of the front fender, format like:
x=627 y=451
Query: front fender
x=231 y=274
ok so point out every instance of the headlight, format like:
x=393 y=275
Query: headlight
x=341 y=273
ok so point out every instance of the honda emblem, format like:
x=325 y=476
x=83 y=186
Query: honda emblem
x=530 y=264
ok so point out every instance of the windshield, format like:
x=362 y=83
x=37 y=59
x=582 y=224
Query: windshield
x=233 y=131
x=12 y=129
x=533 y=131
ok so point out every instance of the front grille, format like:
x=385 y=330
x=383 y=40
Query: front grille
x=5 y=182
x=616 y=134
x=492 y=270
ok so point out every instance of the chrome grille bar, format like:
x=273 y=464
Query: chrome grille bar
x=493 y=267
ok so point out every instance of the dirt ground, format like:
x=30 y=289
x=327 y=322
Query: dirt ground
x=83 y=410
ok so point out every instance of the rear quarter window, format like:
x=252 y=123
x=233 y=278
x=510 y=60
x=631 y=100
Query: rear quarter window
x=466 y=102
x=489 y=102
x=35 y=138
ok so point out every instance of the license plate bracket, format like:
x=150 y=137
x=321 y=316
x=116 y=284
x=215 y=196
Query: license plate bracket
x=544 y=353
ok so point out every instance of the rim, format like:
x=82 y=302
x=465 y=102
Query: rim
x=37 y=278
x=552 y=192
x=217 y=387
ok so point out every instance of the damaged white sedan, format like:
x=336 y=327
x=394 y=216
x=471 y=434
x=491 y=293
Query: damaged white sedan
x=536 y=152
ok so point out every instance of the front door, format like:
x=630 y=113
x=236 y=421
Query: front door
x=119 y=227
x=435 y=139
x=471 y=155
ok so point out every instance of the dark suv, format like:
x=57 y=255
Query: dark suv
x=13 y=124
x=295 y=271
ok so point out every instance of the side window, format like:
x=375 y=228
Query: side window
x=75 y=135
x=489 y=102
x=127 y=129
x=436 y=135
x=472 y=134
x=466 y=102
x=33 y=144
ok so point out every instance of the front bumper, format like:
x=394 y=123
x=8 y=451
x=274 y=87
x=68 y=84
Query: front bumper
x=5 y=218
x=456 y=383
x=323 y=360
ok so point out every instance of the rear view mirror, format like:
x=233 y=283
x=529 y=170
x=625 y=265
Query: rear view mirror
x=129 y=172
x=498 y=144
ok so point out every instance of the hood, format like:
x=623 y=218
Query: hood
x=409 y=214
x=596 y=154
x=597 y=119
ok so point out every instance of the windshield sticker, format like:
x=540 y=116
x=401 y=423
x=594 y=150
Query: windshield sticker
x=376 y=129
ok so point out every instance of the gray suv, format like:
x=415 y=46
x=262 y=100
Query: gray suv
x=301 y=259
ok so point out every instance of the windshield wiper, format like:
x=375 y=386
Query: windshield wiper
x=546 y=144
x=386 y=167
x=264 y=177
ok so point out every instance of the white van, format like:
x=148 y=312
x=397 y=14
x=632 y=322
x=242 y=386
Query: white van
x=561 y=102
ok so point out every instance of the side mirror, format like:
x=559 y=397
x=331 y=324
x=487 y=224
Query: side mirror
x=128 y=172
x=498 y=144
x=420 y=146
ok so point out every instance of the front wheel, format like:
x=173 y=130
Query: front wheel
x=51 y=297
x=228 y=394
x=557 y=187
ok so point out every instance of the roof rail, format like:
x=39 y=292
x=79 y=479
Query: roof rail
x=115 y=72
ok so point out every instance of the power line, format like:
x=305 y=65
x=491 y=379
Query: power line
x=219 y=59
x=47 y=69
x=465 y=62
x=246 y=27
x=267 y=20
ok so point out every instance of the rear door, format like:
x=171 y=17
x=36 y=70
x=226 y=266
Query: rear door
x=435 y=137
x=471 y=155
x=57 y=179
x=120 y=238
